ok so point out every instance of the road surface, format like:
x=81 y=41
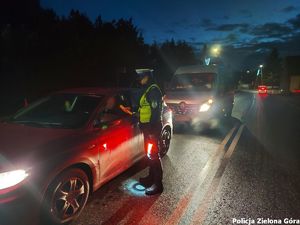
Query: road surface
x=245 y=173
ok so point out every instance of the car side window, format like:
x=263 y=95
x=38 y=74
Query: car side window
x=112 y=106
x=107 y=117
x=111 y=111
x=115 y=108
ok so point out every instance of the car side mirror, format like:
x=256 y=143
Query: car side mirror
x=100 y=125
x=106 y=120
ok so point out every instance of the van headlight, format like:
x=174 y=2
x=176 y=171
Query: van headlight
x=12 y=178
x=206 y=106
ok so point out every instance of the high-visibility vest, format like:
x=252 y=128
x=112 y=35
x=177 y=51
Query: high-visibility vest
x=145 y=108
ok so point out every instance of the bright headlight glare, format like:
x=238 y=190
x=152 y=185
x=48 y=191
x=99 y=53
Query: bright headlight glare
x=204 y=107
x=12 y=178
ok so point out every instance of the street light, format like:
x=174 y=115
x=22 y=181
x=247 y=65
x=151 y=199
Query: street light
x=261 y=73
x=215 y=50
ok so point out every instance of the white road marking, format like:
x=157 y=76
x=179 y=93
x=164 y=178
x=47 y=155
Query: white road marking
x=183 y=203
x=202 y=211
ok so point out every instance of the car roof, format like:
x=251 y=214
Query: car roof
x=196 y=69
x=93 y=91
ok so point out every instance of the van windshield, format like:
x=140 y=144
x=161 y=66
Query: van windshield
x=194 y=81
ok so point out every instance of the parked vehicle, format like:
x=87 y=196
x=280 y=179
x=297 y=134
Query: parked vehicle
x=58 y=150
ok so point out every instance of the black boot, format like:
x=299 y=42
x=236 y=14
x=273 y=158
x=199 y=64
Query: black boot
x=154 y=189
x=157 y=186
x=146 y=181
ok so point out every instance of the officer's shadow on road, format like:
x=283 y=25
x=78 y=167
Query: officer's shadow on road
x=126 y=190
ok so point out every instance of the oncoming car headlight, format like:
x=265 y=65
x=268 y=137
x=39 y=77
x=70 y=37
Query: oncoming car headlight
x=206 y=106
x=12 y=178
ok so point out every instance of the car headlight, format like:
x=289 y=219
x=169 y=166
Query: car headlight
x=206 y=106
x=12 y=178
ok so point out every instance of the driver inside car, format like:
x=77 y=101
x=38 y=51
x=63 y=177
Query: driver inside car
x=117 y=105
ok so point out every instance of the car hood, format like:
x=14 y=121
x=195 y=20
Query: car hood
x=19 y=144
x=189 y=97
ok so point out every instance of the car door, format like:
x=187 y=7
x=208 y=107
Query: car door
x=127 y=98
x=114 y=141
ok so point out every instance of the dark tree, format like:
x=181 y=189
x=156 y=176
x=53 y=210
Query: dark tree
x=204 y=53
x=16 y=12
x=41 y=52
x=272 y=68
x=169 y=56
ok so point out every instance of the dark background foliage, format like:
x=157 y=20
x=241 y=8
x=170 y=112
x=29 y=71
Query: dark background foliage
x=41 y=52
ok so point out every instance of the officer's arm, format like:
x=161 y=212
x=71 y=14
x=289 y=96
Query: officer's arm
x=126 y=110
x=155 y=100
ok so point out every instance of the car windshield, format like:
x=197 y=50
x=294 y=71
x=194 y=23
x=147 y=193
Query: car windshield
x=195 y=81
x=58 y=111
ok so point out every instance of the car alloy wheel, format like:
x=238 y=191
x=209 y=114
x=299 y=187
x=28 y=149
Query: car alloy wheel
x=67 y=196
x=165 y=142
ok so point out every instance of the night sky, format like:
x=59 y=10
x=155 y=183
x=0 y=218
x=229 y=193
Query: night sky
x=251 y=26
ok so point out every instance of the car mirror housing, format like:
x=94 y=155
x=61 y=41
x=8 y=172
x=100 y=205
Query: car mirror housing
x=100 y=125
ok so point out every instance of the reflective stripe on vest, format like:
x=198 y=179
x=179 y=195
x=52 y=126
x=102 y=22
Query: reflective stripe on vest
x=145 y=108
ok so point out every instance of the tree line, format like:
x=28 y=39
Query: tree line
x=270 y=74
x=42 y=52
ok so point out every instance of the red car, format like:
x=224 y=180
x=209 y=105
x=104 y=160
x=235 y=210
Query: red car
x=262 y=89
x=57 y=151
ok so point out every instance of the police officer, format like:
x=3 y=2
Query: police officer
x=150 y=119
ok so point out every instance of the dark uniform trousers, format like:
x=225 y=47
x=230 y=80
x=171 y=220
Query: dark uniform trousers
x=151 y=133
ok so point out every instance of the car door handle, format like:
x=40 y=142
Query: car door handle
x=92 y=146
x=105 y=146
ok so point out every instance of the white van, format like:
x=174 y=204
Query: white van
x=196 y=96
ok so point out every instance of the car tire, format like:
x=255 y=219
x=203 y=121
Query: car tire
x=66 y=197
x=165 y=140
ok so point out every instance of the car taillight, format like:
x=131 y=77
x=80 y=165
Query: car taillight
x=262 y=88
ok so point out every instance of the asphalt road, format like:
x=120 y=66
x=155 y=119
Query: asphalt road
x=248 y=169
